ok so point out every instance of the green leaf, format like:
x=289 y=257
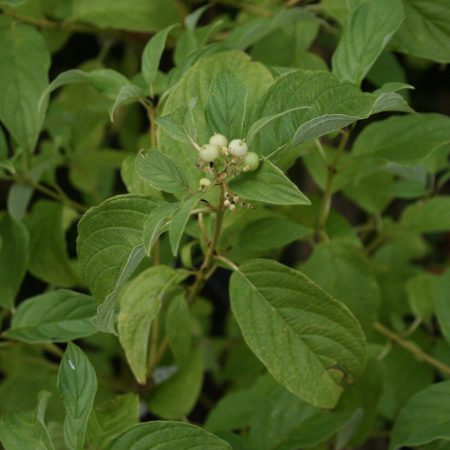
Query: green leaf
x=140 y=302
x=57 y=316
x=442 y=305
x=196 y=84
x=151 y=56
x=157 y=223
x=175 y=397
x=128 y=93
x=331 y=104
x=421 y=291
x=107 y=235
x=143 y=16
x=77 y=384
x=160 y=172
x=425 y=418
x=406 y=139
x=23 y=78
x=346 y=266
x=49 y=260
x=367 y=31
x=178 y=328
x=112 y=418
x=268 y=184
x=180 y=220
x=173 y=128
x=13 y=258
x=426 y=30
x=225 y=106
x=290 y=324
x=428 y=216
x=167 y=435
x=26 y=430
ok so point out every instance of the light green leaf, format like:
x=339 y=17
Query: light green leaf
x=291 y=324
x=346 y=266
x=151 y=56
x=175 y=397
x=225 y=106
x=178 y=328
x=140 y=302
x=157 y=223
x=196 y=84
x=77 y=384
x=167 y=435
x=112 y=418
x=332 y=105
x=426 y=30
x=425 y=418
x=13 y=258
x=406 y=139
x=57 y=316
x=442 y=304
x=367 y=31
x=25 y=61
x=173 y=128
x=107 y=234
x=268 y=184
x=428 y=216
x=49 y=260
x=161 y=172
x=142 y=15
x=26 y=430
x=134 y=183
x=180 y=220
x=128 y=93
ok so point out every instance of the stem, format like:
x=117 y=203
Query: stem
x=328 y=192
x=56 y=195
x=153 y=345
x=46 y=23
x=412 y=348
x=203 y=271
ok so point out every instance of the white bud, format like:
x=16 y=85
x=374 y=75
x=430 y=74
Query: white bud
x=227 y=203
x=238 y=147
x=204 y=183
x=209 y=152
x=232 y=207
x=218 y=139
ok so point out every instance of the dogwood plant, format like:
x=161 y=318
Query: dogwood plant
x=224 y=226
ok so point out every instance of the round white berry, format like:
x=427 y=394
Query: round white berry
x=238 y=147
x=209 y=152
x=250 y=161
x=218 y=139
x=204 y=183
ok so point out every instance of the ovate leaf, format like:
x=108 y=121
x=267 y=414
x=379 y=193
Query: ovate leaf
x=268 y=184
x=175 y=397
x=225 y=106
x=168 y=435
x=23 y=78
x=178 y=326
x=425 y=418
x=442 y=304
x=142 y=15
x=57 y=316
x=426 y=30
x=367 y=31
x=404 y=139
x=112 y=418
x=26 y=430
x=77 y=384
x=140 y=302
x=13 y=258
x=179 y=222
x=49 y=260
x=151 y=56
x=160 y=172
x=308 y=341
